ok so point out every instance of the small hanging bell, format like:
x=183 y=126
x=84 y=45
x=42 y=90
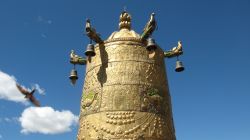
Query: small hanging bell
x=151 y=45
x=73 y=76
x=179 y=67
x=90 y=50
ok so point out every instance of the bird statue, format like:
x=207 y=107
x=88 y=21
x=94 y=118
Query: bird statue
x=29 y=95
x=91 y=32
x=178 y=48
x=73 y=55
x=175 y=51
x=76 y=59
x=149 y=28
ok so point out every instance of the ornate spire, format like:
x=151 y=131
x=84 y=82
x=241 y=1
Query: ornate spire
x=125 y=21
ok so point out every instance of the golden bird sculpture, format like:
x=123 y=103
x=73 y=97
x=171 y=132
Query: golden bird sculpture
x=91 y=32
x=149 y=27
x=175 y=51
x=178 y=48
x=73 y=55
x=76 y=59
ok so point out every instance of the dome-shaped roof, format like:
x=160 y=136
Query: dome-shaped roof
x=125 y=28
x=124 y=33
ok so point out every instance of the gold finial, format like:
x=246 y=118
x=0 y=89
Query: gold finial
x=125 y=21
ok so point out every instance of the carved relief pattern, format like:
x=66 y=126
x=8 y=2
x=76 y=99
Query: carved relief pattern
x=91 y=96
x=126 y=125
x=125 y=95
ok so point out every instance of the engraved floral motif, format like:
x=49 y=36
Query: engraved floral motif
x=152 y=100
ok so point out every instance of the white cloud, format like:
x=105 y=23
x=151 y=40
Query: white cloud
x=46 y=120
x=39 y=18
x=8 y=89
x=43 y=35
x=43 y=20
x=7 y=119
x=10 y=120
x=49 y=21
x=39 y=89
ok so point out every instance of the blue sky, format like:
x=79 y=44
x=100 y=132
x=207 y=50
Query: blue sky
x=210 y=98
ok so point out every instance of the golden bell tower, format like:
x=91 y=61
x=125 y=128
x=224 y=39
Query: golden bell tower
x=125 y=93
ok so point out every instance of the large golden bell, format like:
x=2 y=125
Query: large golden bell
x=125 y=94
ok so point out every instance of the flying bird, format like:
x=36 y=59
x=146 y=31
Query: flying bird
x=29 y=95
x=150 y=27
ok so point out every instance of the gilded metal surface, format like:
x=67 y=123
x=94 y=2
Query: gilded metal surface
x=149 y=28
x=125 y=21
x=75 y=59
x=175 y=51
x=91 y=32
x=125 y=93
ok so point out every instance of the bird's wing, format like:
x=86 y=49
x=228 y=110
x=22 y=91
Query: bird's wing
x=71 y=54
x=174 y=48
x=33 y=91
x=146 y=27
x=149 y=28
x=179 y=47
x=22 y=90
x=34 y=101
